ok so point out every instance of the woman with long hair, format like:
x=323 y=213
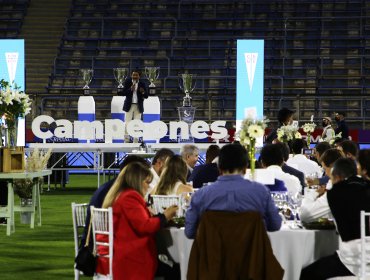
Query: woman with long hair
x=135 y=253
x=173 y=178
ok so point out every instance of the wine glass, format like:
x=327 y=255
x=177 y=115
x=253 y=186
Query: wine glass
x=185 y=199
x=310 y=178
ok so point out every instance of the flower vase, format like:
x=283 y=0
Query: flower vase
x=308 y=140
x=252 y=158
x=25 y=217
x=11 y=132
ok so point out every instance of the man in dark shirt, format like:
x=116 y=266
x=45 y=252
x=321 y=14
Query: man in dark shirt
x=341 y=125
x=207 y=172
x=348 y=197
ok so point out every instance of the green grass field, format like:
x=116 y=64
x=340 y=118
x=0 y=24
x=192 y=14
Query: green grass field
x=46 y=252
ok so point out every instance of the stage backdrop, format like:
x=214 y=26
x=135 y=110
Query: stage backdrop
x=12 y=70
x=249 y=81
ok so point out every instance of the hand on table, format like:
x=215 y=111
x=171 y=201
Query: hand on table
x=170 y=212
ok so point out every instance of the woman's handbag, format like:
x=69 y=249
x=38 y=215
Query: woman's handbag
x=86 y=260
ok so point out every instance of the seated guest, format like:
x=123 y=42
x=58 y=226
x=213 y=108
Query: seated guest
x=349 y=148
x=207 y=172
x=315 y=204
x=190 y=154
x=364 y=163
x=284 y=148
x=348 y=197
x=158 y=164
x=272 y=159
x=320 y=148
x=300 y=161
x=231 y=192
x=99 y=195
x=135 y=253
x=173 y=178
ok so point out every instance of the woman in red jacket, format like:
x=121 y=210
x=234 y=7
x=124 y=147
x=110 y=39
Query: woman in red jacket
x=135 y=253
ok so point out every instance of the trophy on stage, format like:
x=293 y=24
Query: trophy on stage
x=187 y=84
x=120 y=75
x=87 y=75
x=152 y=74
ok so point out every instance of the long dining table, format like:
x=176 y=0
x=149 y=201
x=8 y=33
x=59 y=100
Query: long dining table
x=293 y=248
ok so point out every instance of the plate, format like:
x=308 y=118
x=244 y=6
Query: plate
x=322 y=224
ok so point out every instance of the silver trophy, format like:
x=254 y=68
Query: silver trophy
x=120 y=75
x=152 y=74
x=87 y=75
x=187 y=85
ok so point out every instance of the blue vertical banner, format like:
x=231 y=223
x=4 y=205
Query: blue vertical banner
x=249 y=80
x=12 y=61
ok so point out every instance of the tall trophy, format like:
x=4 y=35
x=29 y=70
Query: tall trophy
x=187 y=111
x=87 y=75
x=120 y=75
x=187 y=84
x=152 y=74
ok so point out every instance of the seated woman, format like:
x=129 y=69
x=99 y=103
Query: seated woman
x=315 y=203
x=135 y=253
x=173 y=178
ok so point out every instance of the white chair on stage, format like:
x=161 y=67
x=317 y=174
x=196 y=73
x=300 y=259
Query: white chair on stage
x=102 y=225
x=78 y=217
x=162 y=202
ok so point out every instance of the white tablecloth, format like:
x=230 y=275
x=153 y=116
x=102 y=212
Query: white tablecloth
x=294 y=249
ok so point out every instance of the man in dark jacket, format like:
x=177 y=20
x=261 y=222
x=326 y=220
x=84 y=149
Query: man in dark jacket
x=135 y=92
x=348 y=197
x=341 y=125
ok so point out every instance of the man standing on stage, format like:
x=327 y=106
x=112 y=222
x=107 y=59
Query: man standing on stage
x=135 y=92
x=341 y=125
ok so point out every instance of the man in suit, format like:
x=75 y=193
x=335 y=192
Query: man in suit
x=207 y=172
x=135 y=92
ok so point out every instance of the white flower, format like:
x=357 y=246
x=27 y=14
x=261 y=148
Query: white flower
x=8 y=98
x=17 y=96
x=247 y=141
x=309 y=127
x=255 y=131
x=297 y=135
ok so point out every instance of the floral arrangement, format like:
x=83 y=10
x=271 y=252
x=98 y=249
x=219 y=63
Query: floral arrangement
x=288 y=133
x=250 y=130
x=36 y=161
x=13 y=103
x=309 y=128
